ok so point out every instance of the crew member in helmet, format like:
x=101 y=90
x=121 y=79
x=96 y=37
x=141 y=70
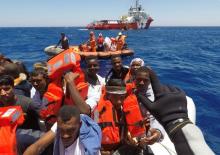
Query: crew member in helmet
x=121 y=44
x=100 y=41
x=92 y=42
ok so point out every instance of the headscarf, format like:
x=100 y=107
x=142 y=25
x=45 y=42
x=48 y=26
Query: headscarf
x=137 y=59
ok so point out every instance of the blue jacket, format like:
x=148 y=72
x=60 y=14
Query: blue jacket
x=90 y=137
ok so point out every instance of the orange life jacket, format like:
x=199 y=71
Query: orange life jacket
x=82 y=87
x=130 y=87
x=80 y=83
x=65 y=61
x=133 y=115
x=128 y=77
x=92 y=43
x=53 y=99
x=100 y=40
x=106 y=117
x=103 y=114
x=120 y=43
x=10 y=118
x=62 y=63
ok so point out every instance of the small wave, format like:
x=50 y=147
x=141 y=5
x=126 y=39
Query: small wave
x=83 y=29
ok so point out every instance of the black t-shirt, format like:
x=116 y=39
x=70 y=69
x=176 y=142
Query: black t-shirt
x=113 y=75
x=65 y=43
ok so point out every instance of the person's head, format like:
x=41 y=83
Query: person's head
x=12 y=70
x=142 y=79
x=40 y=65
x=91 y=33
x=4 y=59
x=135 y=64
x=21 y=67
x=6 y=89
x=68 y=122
x=116 y=63
x=100 y=34
x=39 y=79
x=62 y=35
x=120 y=34
x=92 y=65
x=116 y=92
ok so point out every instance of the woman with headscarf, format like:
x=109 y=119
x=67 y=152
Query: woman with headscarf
x=134 y=65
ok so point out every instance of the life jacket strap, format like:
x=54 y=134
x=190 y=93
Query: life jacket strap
x=105 y=124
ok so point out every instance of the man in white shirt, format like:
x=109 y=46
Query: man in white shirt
x=95 y=81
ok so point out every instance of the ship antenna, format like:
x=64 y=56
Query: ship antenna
x=137 y=4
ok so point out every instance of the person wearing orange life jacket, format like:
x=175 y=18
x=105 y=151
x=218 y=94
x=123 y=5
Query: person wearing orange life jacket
x=9 y=98
x=48 y=96
x=30 y=127
x=142 y=82
x=121 y=44
x=113 y=44
x=51 y=93
x=92 y=42
x=66 y=65
x=83 y=47
x=100 y=41
x=74 y=94
x=118 y=120
x=63 y=63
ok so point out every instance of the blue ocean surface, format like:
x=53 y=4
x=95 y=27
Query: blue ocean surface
x=188 y=57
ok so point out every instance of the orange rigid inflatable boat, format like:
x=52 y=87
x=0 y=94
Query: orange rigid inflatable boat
x=52 y=51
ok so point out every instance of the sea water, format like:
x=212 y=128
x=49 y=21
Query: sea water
x=188 y=57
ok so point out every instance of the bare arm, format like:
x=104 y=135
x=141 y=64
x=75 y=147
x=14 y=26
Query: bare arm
x=74 y=93
x=58 y=43
x=39 y=146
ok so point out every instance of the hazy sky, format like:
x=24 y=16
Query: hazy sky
x=81 y=12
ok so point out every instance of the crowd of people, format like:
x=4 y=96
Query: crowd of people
x=100 y=44
x=123 y=113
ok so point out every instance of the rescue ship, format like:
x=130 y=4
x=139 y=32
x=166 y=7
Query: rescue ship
x=136 y=18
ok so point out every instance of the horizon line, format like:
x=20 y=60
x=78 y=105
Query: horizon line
x=85 y=26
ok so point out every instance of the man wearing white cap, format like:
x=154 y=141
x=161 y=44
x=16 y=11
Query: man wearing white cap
x=120 y=41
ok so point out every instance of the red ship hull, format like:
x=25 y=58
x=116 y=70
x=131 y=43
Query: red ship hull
x=120 y=25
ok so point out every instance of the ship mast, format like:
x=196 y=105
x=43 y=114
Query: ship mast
x=137 y=4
